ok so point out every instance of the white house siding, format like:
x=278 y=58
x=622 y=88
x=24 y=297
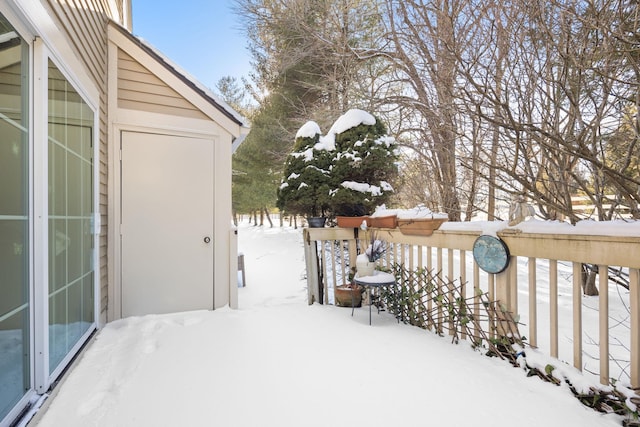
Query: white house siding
x=139 y=89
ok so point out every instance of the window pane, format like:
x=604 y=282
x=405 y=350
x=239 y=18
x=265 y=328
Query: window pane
x=71 y=311
x=14 y=222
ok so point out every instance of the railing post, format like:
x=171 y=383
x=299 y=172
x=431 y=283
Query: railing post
x=503 y=287
x=311 y=260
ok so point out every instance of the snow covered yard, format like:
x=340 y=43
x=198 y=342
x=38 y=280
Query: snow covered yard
x=279 y=362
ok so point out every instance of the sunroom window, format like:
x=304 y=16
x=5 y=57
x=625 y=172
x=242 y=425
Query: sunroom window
x=71 y=269
x=47 y=204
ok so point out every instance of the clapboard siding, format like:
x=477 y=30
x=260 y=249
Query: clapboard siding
x=139 y=89
x=133 y=86
x=85 y=24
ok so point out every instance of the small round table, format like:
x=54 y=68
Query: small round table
x=379 y=279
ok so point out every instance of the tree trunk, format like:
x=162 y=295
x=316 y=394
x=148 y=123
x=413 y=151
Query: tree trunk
x=589 y=287
x=266 y=213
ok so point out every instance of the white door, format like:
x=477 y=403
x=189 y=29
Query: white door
x=167 y=223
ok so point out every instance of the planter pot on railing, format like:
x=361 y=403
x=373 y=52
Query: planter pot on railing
x=351 y=221
x=316 y=221
x=420 y=226
x=387 y=221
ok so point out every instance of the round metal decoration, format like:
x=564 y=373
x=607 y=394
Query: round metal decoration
x=491 y=254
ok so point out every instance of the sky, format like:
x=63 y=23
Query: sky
x=204 y=37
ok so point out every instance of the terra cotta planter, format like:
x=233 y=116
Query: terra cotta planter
x=351 y=221
x=420 y=226
x=347 y=296
x=387 y=221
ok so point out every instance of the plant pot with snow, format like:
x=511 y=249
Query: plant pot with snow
x=349 y=295
x=386 y=221
x=418 y=221
x=352 y=221
x=420 y=226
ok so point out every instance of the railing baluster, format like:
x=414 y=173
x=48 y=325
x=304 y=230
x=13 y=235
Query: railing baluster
x=476 y=299
x=603 y=308
x=553 y=307
x=491 y=280
x=403 y=254
x=440 y=290
x=513 y=283
x=334 y=266
x=353 y=252
x=577 y=315
x=450 y=288
x=345 y=268
x=533 y=304
x=432 y=324
x=463 y=282
x=411 y=250
x=325 y=281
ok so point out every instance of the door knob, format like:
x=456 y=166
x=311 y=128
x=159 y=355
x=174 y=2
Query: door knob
x=207 y=239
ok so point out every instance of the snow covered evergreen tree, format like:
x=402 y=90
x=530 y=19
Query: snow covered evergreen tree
x=348 y=172
x=305 y=186
x=364 y=165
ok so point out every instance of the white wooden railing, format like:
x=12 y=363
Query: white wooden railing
x=541 y=286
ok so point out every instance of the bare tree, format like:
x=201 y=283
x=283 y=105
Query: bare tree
x=545 y=86
x=420 y=43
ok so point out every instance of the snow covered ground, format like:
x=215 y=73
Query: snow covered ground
x=278 y=362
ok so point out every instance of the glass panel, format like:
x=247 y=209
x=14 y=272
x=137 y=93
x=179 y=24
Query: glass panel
x=71 y=312
x=15 y=348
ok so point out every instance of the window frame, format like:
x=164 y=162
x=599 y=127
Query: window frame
x=42 y=55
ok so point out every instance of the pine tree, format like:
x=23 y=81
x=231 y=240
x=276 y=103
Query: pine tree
x=364 y=169
x=347 y=173
x=305 y=186
x=258 y=162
